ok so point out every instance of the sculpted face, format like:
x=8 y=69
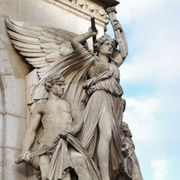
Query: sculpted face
x=58 y=88
x=107 y=48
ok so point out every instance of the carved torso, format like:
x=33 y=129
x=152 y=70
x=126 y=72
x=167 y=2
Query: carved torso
x=101 y=67
x=56 y=118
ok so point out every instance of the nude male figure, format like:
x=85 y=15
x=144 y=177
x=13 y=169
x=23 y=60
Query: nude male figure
x=55 y=115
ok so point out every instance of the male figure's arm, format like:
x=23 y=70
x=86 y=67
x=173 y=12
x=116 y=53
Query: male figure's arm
x=30 y=134
x=77 y=120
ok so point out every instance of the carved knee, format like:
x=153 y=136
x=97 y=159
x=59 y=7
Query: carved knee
x=81 y=169
x=79 y=162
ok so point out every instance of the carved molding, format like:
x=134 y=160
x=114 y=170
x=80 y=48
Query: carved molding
x=107 y=3
x=83 y=8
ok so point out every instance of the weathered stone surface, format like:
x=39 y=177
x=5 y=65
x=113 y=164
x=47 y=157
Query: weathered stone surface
x=1 y=45
x=14 y=132
x=1 y=163
x=4 y=39
x=20 y=68
x=14 y=88
x=1 y=157
x=5 y=67
x=31 y=173
x=1 y=130
x=85 y=9
x=75 y=23
x=9 y=7
x=13 y=171
x=1 y=98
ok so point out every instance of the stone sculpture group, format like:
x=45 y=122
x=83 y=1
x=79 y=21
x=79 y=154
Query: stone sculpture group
x=76 y=129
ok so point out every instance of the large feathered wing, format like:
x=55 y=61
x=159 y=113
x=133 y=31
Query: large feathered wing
x=39 y=45
x=49 y=51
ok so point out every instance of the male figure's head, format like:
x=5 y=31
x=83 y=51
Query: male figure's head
x=54 y=83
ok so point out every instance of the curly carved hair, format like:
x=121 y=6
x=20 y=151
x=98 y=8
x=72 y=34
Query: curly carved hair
x=103 y=39
x=52 y=79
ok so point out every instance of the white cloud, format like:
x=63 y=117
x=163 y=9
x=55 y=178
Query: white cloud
x=141 y=117
x=155 y=43
x=153 y=36
x=129 y=10
x=155 y=58
x=160 y=168
x=154 y=40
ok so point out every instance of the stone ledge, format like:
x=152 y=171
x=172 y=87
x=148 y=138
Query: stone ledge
x=14 y=92
x=82 y=8
x=5 y=67
x=14 y=132
x=10 y=114
x=1 y=45
x=107 y=3
x=8 y=147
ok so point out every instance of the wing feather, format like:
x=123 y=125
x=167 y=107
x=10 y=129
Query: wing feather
x=44 y=39
x=52 y=56
x=27 y=50
x=40 y=46
x=26 y=45
x=47 y=34
x=29 y=54
x=52 y=46
x=23 y=38
x=37 y=62
x=18 y=27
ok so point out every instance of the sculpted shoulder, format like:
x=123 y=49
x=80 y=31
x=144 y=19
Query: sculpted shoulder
x=40 y=107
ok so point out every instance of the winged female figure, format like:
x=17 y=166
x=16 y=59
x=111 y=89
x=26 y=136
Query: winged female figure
x=91 y=78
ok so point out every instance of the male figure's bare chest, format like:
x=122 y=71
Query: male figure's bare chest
x=56 y=114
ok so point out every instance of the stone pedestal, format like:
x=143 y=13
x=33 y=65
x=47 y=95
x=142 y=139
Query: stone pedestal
x=70 y=15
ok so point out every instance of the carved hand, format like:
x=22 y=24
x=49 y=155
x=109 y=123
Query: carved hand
x=25 y=157
x=62 y=134
x=91 y=32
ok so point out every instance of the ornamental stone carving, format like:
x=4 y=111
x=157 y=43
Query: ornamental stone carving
x=84 y=8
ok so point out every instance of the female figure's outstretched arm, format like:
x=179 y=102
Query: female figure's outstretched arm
x=120 y=55
x=79 y=40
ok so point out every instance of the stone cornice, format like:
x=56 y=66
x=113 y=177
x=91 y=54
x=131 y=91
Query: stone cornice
x=86 y=8
x=107 y=3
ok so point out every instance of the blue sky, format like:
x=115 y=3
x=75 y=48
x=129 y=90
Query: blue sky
x=150 y=77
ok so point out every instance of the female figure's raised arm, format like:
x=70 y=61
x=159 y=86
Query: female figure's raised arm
x=79 y=40
x=120 y=55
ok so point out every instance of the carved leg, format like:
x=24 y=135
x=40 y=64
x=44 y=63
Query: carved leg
x=44 y=166
x=80 y=165
x=67 y=177
x=105 y=133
